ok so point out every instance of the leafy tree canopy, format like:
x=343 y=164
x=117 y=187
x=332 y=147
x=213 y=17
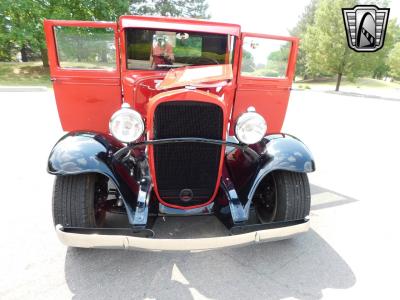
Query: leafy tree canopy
x=21 y=22
x=171 y=8
x=306 y=19
x=326 y=50
x=394 y=61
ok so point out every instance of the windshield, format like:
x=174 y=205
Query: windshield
x=157 y=49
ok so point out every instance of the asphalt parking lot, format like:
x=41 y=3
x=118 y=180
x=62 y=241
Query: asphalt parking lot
x=351 y=252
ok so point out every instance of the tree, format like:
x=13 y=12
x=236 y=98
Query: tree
x=306 y=19
x=380 y=59
x=379 y=68
x=325 y=45
x=171 y=8
x=24 y=18
x=248 y=64
x=394 y=61
x=6 y=47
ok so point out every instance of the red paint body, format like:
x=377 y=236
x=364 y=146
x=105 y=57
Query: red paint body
x=86 y=98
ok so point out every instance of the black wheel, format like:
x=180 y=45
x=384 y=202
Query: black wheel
x=282 y=196
x=79 y=200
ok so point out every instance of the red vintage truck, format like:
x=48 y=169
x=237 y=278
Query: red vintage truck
x=169 y=117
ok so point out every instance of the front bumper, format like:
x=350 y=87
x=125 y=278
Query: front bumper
x=198 y=244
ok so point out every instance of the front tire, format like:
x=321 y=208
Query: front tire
x=77 y=200
x=283 y=196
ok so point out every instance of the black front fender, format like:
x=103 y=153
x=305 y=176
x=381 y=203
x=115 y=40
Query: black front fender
x=87 y=152
x=274 y=152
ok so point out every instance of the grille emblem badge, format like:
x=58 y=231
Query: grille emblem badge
x=186 y=195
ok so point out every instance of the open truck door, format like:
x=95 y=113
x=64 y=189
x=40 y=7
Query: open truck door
x=85 y=71
x=266 y=71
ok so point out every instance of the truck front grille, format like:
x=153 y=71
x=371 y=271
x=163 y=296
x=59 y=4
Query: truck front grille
x=186 y=173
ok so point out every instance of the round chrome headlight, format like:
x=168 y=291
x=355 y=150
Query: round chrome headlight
x=250 y=127
x=126 y=124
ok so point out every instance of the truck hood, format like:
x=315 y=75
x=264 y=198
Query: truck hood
x=196 y=75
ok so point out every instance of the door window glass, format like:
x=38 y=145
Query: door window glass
x=85 y=47
x=265 y=57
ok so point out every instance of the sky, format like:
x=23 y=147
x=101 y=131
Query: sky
x=268 y=16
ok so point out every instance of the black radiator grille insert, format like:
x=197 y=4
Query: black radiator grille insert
x=184 y=167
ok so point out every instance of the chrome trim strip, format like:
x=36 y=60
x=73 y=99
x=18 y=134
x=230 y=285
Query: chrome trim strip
x=154 y=244
x=123 y=151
